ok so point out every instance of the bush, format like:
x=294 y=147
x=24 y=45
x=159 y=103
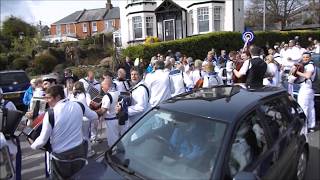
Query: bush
x=45 y=63
x=21 y=63
x=59 y=54
x=3 y=61
x=198 y=46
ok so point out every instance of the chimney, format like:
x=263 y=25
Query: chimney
x=108 y=4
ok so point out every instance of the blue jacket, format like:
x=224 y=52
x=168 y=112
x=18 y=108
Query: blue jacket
x=27 y=96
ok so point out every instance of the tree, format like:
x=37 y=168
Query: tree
x=13 y=27
x=276 y=11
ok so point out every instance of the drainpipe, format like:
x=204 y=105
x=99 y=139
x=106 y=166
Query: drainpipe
x=233 y=16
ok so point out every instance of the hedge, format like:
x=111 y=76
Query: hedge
x=198 y=46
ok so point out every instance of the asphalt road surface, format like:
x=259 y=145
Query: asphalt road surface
x=33 y=161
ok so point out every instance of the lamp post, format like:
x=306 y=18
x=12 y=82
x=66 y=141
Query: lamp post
x=264 y=15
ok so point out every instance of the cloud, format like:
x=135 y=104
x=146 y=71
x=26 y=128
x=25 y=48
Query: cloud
x=17 y=8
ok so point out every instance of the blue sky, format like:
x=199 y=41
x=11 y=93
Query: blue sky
x=48 y=11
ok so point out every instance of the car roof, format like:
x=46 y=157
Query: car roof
x=226 y=103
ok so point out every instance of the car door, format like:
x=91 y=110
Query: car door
x=281 y=131
x=249 y=146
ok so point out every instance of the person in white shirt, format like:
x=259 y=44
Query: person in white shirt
x=108 y=112
x=176 y=77
x=292 y=55
x=91 y=85
x=306 y=93
x=140 y=95
x=211 y=78
x=122 y=84
x=66 y=136
x=272 y=74
x=68 y=90
x=197 y=72
x=6 y=103
x=230 y=66
x=159 y=84
x=79 y=95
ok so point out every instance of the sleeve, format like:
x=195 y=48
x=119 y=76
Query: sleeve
x=105 y=102
x=205 y=82
x=27 y=96
x=309 y=68
x=141 y=102
x=244 y=68
x=88 y=99
x=44 y=135
x=11 y=106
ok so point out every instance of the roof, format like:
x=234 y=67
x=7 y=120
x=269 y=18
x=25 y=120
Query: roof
x=113 y=13
x=224 y=103
x=168 y=5
x=93 y=14
x=12 y=71
x=69 y=19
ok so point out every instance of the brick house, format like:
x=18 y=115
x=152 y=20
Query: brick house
x=82 y=24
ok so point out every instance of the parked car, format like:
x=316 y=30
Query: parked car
x=315 y=85
x=14 y=83
x=223 y=132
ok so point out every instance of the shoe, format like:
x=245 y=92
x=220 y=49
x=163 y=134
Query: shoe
x=91 y=153
x=310 y=130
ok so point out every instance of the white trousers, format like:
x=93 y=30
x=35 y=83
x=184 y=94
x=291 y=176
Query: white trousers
x=306 y=101
x=113 y=131
x=86 y=133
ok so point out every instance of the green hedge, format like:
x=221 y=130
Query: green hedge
x=198 y=46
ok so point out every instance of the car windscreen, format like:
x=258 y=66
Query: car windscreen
x=170 y=145
x=7 y=79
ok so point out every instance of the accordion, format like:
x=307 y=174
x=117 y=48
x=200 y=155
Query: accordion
x=9 y=121
x=125 y=101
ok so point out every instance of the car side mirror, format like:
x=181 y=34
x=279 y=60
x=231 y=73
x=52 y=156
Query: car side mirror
x=245 y=176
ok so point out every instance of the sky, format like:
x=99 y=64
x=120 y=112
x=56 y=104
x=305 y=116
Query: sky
x=47 y=11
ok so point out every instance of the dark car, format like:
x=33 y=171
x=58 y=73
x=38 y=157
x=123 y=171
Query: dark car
x=14 y=83
x=315 y=85
x=218 y=133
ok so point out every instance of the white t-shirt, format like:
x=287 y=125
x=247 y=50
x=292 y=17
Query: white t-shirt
x=272 y=71
x=111 y=107
x=307 y=85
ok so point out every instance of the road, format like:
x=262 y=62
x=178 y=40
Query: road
x=33 y=161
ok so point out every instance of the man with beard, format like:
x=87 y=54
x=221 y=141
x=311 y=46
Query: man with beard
x=122 y=84
x=140 y=98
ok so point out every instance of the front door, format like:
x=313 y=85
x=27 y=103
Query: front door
x=169 y=30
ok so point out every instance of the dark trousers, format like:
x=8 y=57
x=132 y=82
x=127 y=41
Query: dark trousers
x=65 y=170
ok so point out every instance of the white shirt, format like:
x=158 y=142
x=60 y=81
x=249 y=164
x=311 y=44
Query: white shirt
x=9 y=105
x=229 y=68
x=67 y=131
x=177 y=82
x=246 y=66
x=187 y=78
x=85 y=100
x=111 y=107
x=122 y=86
x=140 y=102
x=272 y=71
x=196 y=75
x=211 y=80
x=306 y=86
x=294 y=53
x=159 y=85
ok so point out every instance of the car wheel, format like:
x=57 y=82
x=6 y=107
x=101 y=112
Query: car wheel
x=302 y=164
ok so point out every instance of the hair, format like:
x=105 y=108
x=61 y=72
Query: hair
x=55 y=91
x=107 y=73
x=232 y=53
x=135 y=69
x=269 y=59
x=306 y=53
x=255 y=51
x=159 y=65
x=78 y=88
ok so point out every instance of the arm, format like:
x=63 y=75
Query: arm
x=44 y=135
x=90 y=114
x=308 y=72
x=105 y=105
x=141 y=97
x=243 y=70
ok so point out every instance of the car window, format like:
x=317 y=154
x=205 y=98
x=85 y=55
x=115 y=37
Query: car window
x=248 y=144
x=171 y=145
x=275 y=117
x=13 y=78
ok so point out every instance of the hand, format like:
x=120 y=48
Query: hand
x=29 y=114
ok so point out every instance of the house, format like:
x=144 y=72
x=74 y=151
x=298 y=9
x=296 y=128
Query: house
x=85 y=23
x=176 y=19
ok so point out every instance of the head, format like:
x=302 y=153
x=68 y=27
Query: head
x=107 y=74
x=167 y=64
x=135 y=76
x=209 y=67
x=245 y=55
x=255 y=51
x=67 y=73
x=78 y=87
x=232 y=55
x=292 y=43
x=33 y=83
x=127 y=59
x=306 y=57
x=269 y=59
x=90 y=75
x=69 y=83
x=54 y=94
x=271 y=51
x=197 y=64
x=223 y=52
x=210 y=55
x=48 y=82
x=121 y=74
x=285 y=46
x=106 y=85
x=159 y=65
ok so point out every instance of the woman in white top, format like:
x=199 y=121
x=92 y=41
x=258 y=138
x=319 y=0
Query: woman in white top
x=273 y=73
x=68 y=90
x=79 y=94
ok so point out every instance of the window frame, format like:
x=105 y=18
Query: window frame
x=138 y=22
x=68 y=29
x=203 y=12
x=149 y=22
x=214 y=17
x=58 y=29
x=94 y=26
x=85 y=27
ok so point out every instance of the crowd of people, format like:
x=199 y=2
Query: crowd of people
x=119 y=101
